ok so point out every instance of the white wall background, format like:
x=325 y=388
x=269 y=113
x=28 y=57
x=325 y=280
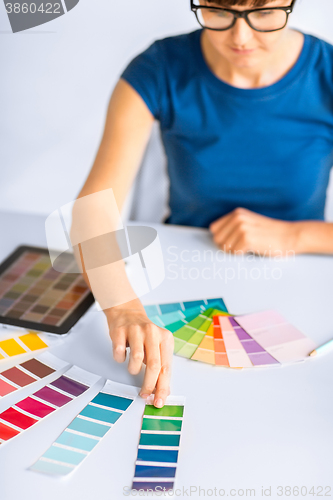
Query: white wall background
x=56 y=81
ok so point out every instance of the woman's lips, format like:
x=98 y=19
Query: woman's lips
x=242 y=51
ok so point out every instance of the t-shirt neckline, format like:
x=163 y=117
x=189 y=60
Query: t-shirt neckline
x=255 y=93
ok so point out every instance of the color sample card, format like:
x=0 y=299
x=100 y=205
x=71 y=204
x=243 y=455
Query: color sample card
x=237 y=356
x=45 y=401
x=159 y=446
x=221 y=358
x=27 y=373
x=84 y=433
x=280 y=339
x=21 y=344
x=32 y=293
x=257 y=354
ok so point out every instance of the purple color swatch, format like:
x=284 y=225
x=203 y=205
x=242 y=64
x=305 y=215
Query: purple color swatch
x=251 y=347
x=241 y=334
x=233 y=322
x=68 y=385
x=262 y=358
x=51 y=396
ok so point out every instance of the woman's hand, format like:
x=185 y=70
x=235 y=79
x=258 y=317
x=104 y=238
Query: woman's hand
x=149 y=344
x=245 y=231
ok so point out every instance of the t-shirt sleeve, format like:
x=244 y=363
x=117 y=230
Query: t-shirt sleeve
x=144 y=75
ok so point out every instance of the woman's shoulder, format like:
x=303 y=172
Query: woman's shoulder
x=322 y=50
x=175 y=46
x=321 y=57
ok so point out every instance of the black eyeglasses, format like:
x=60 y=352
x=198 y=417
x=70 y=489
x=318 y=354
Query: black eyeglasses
x=263 y=19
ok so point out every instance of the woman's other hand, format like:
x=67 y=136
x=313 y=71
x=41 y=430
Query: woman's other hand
x=244 y=231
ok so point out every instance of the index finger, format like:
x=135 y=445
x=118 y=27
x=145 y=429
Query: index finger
x=153 y=365
x=163 y=382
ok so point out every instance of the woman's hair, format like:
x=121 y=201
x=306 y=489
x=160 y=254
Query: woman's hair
x=251 y=3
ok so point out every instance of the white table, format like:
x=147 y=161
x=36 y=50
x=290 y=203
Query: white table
x=243 y=429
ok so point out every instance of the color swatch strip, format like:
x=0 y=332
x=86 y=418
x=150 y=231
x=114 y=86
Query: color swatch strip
x=21 y=344
x=45 y=401
x=237 y=356
x=159 y=446
x=27 y=373
x=88 y=428
x=280 y=339
x=221 y=357
x=257 y=354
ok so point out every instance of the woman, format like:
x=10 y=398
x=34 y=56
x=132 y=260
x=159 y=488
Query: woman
x=245 y=107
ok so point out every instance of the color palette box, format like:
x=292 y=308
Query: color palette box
x=44 y=402
x=35 y=296
x=87 y=429
x=159 y=445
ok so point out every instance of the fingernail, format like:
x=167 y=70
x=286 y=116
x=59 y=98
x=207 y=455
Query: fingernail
x=144 y=396
x=158 y=403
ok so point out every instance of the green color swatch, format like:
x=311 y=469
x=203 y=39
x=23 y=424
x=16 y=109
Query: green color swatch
x=166 y=411
x=156 y=424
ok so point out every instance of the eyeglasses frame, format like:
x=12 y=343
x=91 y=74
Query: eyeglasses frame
x=242 y=14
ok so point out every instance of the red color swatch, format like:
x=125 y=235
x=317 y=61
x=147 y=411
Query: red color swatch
x=17 y=418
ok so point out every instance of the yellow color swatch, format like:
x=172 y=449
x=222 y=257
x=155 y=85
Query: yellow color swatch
x=11 y=347
x=33 y=341
x=2 y=357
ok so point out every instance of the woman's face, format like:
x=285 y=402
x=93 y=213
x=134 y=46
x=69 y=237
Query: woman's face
x=241 y=45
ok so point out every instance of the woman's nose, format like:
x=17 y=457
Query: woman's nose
x=241 y=33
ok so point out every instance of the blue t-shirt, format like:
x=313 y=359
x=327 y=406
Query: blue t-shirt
x=269 y=149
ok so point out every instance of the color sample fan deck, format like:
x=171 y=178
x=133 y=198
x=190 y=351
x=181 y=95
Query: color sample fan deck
x=216 y=337
x=84 y=433
x=27 y=373
x=45 y=401
x=159 y=445
x=22 y=344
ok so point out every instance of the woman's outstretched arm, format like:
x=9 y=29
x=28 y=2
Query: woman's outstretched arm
x=127 y=131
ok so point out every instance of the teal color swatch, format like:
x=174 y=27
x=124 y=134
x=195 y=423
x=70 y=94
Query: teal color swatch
x=101 y=414
x=63 y=455
x=77 y=441
x=87 y=427
x=159 y=439
x=111 y=401
x=51 y=468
